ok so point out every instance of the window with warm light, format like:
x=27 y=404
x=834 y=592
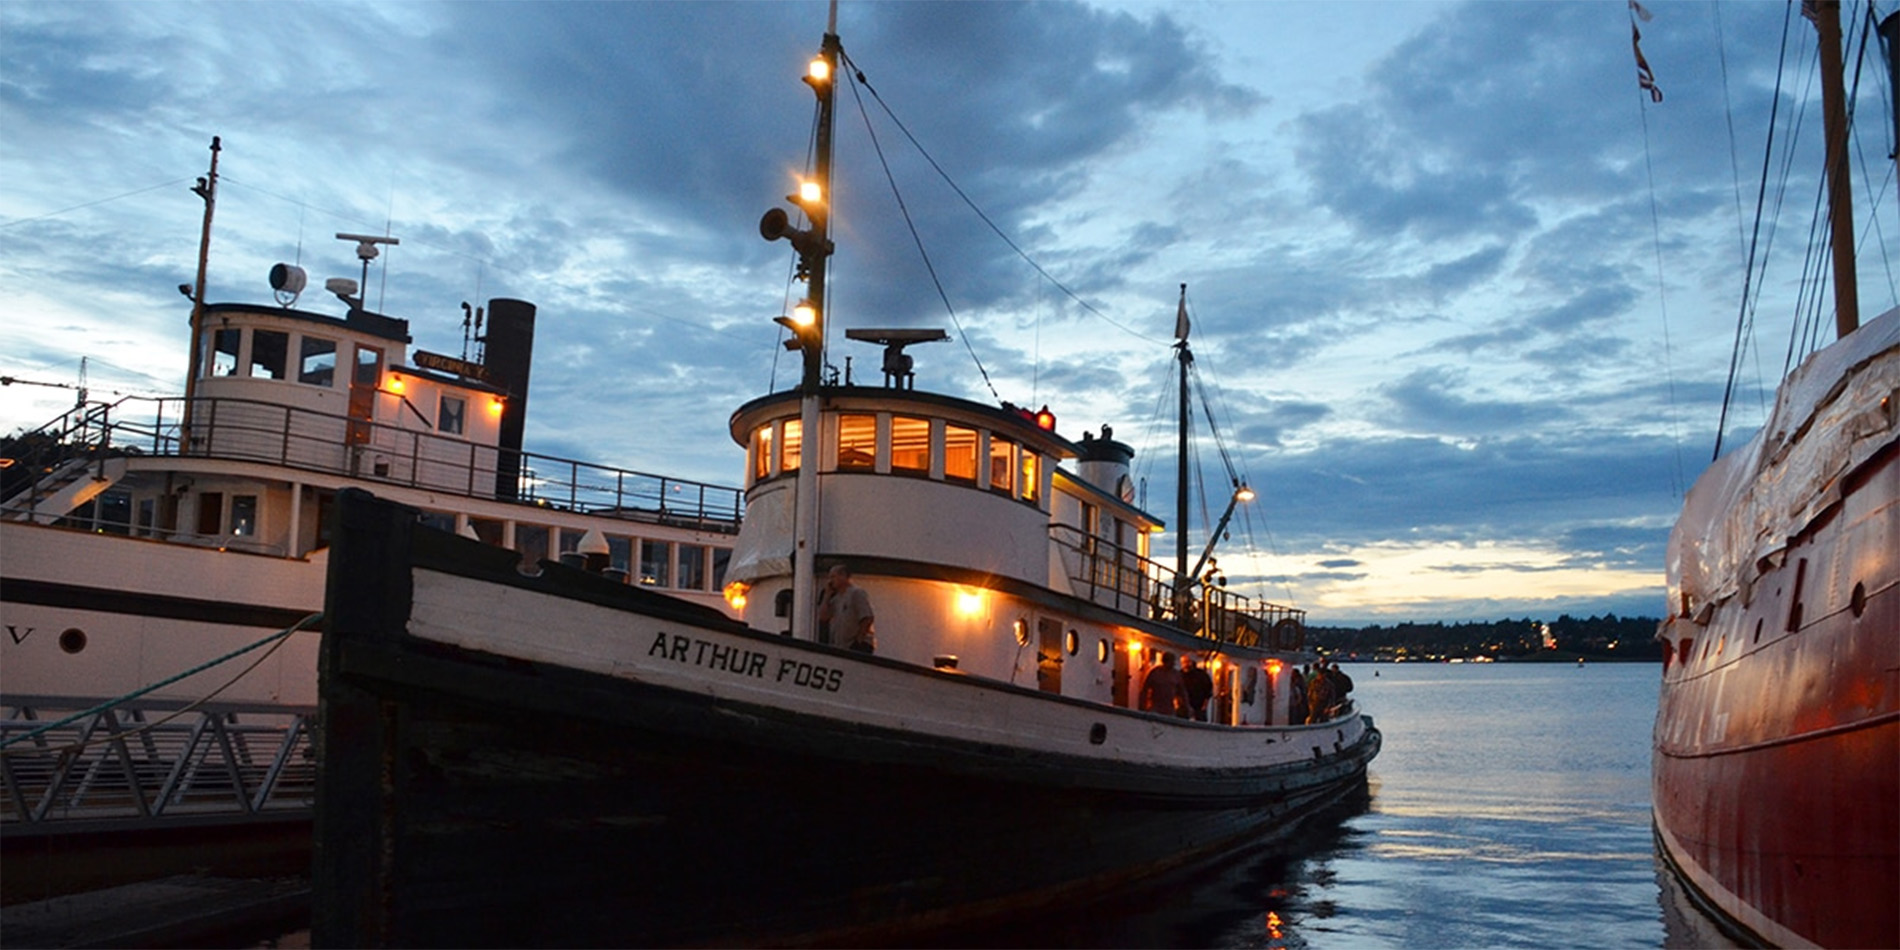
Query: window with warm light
x=959 y=453
x=790 y=445
x=1002 y=465
x=910 y=445
x=1071 y=642
x=857 y=442
x=762 y=453
x=1032 y=476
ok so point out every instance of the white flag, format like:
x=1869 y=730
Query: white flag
x=1180 y=317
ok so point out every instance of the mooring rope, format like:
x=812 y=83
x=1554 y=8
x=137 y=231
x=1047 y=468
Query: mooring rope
x=110 y=703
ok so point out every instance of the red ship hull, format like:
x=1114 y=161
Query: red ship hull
x=1776 y=775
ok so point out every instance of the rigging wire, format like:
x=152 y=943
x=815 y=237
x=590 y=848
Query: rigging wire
x=904 y=208
x=77 y=207
x=1059 y=285
x=1655 y=231
x=1744 y=316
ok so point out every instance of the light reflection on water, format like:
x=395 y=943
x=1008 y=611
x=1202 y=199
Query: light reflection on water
x=1509 y=807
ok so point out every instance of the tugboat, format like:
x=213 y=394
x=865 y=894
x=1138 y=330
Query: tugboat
x=524 y=754
x=154 y=552
x=1777 y=745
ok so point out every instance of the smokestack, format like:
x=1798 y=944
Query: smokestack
x=509 y=355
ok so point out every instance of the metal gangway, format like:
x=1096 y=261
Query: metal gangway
x=151 y=762
x=140 y=761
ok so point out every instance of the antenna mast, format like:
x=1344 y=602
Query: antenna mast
x=206 y=188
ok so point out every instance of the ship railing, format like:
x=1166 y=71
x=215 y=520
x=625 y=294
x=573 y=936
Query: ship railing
x=251 y=430
x=39 y=463
x=148 y=761
x=1120 y=578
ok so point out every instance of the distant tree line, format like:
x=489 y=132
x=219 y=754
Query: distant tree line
x=1566 y=638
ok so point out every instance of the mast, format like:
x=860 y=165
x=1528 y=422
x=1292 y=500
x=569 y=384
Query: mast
x=1826 y=15
x=1185 y=356
x=206 y=188
x=807 y=323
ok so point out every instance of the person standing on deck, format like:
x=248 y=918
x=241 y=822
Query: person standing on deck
x=1197 y=686
x=1161 y=689
x=845 y=617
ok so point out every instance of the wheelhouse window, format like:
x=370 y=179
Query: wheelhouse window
x=959 y=454
x=721 y=559
x=1002 y=465
x=1031 y=486
x=910 y=445
x=317 y=363
x=451 y=415
x=224 y=351
x=857 y=442
x=270 y=353
x=369 y=366
x=790 y=445
x=762 y=453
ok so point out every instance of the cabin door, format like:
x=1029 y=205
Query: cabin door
x=1049 y=655
x=363 y=383
x=1123 y=677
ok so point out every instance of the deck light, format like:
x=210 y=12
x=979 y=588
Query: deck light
x=1273 y=667
x=735 y=594
x=494 y=405
x=396 y=384
x=969 y=602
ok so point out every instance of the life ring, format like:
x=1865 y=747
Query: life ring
x=1287 y=634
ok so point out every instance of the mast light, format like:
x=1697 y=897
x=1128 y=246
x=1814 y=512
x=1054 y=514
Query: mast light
x=818 y=73
x=804 y=314
x=1243 y=493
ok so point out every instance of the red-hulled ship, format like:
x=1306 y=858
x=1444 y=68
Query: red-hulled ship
x=1776 y=775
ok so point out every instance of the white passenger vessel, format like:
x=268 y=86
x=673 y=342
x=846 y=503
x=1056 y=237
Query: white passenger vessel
x=521 y=754
x=151 y=537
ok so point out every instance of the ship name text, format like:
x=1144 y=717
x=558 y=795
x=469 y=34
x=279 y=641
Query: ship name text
x=742 y=661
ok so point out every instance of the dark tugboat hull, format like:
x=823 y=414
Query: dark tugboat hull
x=474 y=799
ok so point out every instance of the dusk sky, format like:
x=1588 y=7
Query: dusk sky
x=1464 y=294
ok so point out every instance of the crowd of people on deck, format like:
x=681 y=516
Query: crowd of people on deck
x=1318 y=690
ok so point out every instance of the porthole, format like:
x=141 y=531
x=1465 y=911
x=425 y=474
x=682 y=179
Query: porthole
x=1072 y=642
x=1858 y=602
x=1022 y=632
x=72 y=640
x=1101 y=651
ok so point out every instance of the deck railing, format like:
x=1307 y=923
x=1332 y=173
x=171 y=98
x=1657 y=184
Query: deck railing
x=1119 y=578
x=250 y=430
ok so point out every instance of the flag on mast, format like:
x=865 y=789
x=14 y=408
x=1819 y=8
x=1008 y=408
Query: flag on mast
x=1181 y=317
